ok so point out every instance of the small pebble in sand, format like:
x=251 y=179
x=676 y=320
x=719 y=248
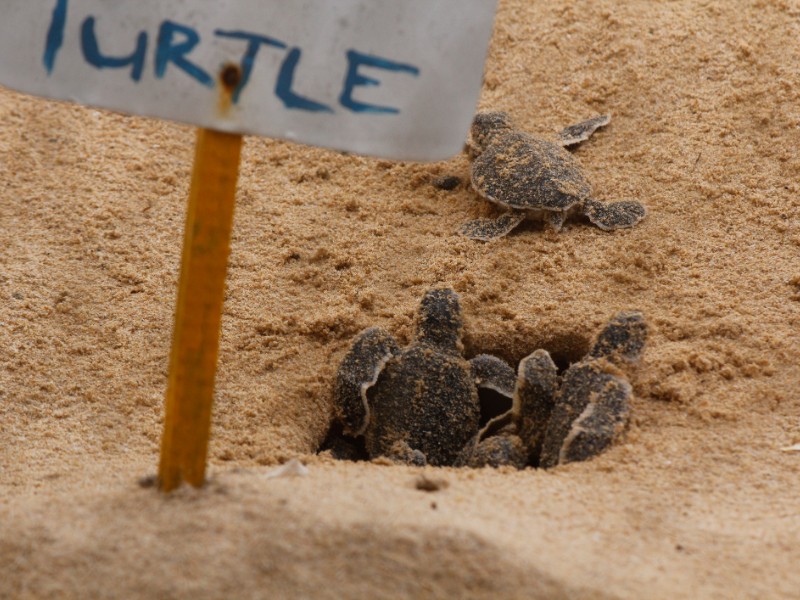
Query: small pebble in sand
x=148 y=481
x=446 y=182
x=429 y=484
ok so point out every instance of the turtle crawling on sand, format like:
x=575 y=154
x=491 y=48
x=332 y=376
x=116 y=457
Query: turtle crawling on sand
x=419 y=405
x=553 y=422
x=536 y=178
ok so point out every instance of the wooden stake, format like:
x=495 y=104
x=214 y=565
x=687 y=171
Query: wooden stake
x=195 y=342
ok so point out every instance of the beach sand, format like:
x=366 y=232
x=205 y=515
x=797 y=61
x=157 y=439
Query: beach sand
x=699 y=498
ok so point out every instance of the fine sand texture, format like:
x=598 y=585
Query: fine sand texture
x=698 y=498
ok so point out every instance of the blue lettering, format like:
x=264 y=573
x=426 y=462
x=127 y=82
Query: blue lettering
x=55 y=35
x=354 y=78
x=283 y=88
x=176 y=41
x=91 y=51
x=254 y=42
x=169 y=52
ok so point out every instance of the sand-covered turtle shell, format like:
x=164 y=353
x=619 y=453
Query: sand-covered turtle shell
x=521 y=171
x=426 y=399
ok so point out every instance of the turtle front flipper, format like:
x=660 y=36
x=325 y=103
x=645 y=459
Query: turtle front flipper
x=590 y=409
x=358 y=371
x=492 y=373
x=490 y=229
x=599 y=423
x=609 y=216
x=580 y=132
x=534 y=398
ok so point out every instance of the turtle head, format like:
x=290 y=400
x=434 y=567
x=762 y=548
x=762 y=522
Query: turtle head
x=487 y=125
x=623 y=338
x=440 y=322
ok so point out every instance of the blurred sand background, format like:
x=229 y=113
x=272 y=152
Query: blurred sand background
x=697 y=500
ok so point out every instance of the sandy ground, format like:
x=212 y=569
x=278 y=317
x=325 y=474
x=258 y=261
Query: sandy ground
x=698 y=499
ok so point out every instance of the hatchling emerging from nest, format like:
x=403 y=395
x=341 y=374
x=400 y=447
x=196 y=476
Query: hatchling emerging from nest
x=419 y=405
x=553 y=422
x=536 y=178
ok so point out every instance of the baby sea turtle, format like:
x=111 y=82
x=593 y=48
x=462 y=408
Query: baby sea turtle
x=537 y=178
x=419 y=405
x=571 y=420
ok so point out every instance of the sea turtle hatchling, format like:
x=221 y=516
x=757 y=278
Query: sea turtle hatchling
x=536 y=178
x=571 y=420
x=419 y=405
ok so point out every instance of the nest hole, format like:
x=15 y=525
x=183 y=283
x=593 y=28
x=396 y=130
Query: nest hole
x=564 y=348
x=343 y=447
x=493 y=404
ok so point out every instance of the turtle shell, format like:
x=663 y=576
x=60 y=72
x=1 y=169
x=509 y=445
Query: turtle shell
x=521 y=171
x=428 y=400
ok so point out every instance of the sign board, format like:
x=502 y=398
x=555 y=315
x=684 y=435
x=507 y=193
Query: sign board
x=392 y=78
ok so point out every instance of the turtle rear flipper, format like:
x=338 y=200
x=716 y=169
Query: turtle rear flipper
x=358 y=371
x=609 y=216
x=490 y=229
x=580 y=132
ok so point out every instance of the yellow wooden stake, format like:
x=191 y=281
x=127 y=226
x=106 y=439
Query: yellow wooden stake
x=195 y=342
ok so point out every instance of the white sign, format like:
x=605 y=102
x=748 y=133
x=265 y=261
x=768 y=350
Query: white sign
x=392 y=78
